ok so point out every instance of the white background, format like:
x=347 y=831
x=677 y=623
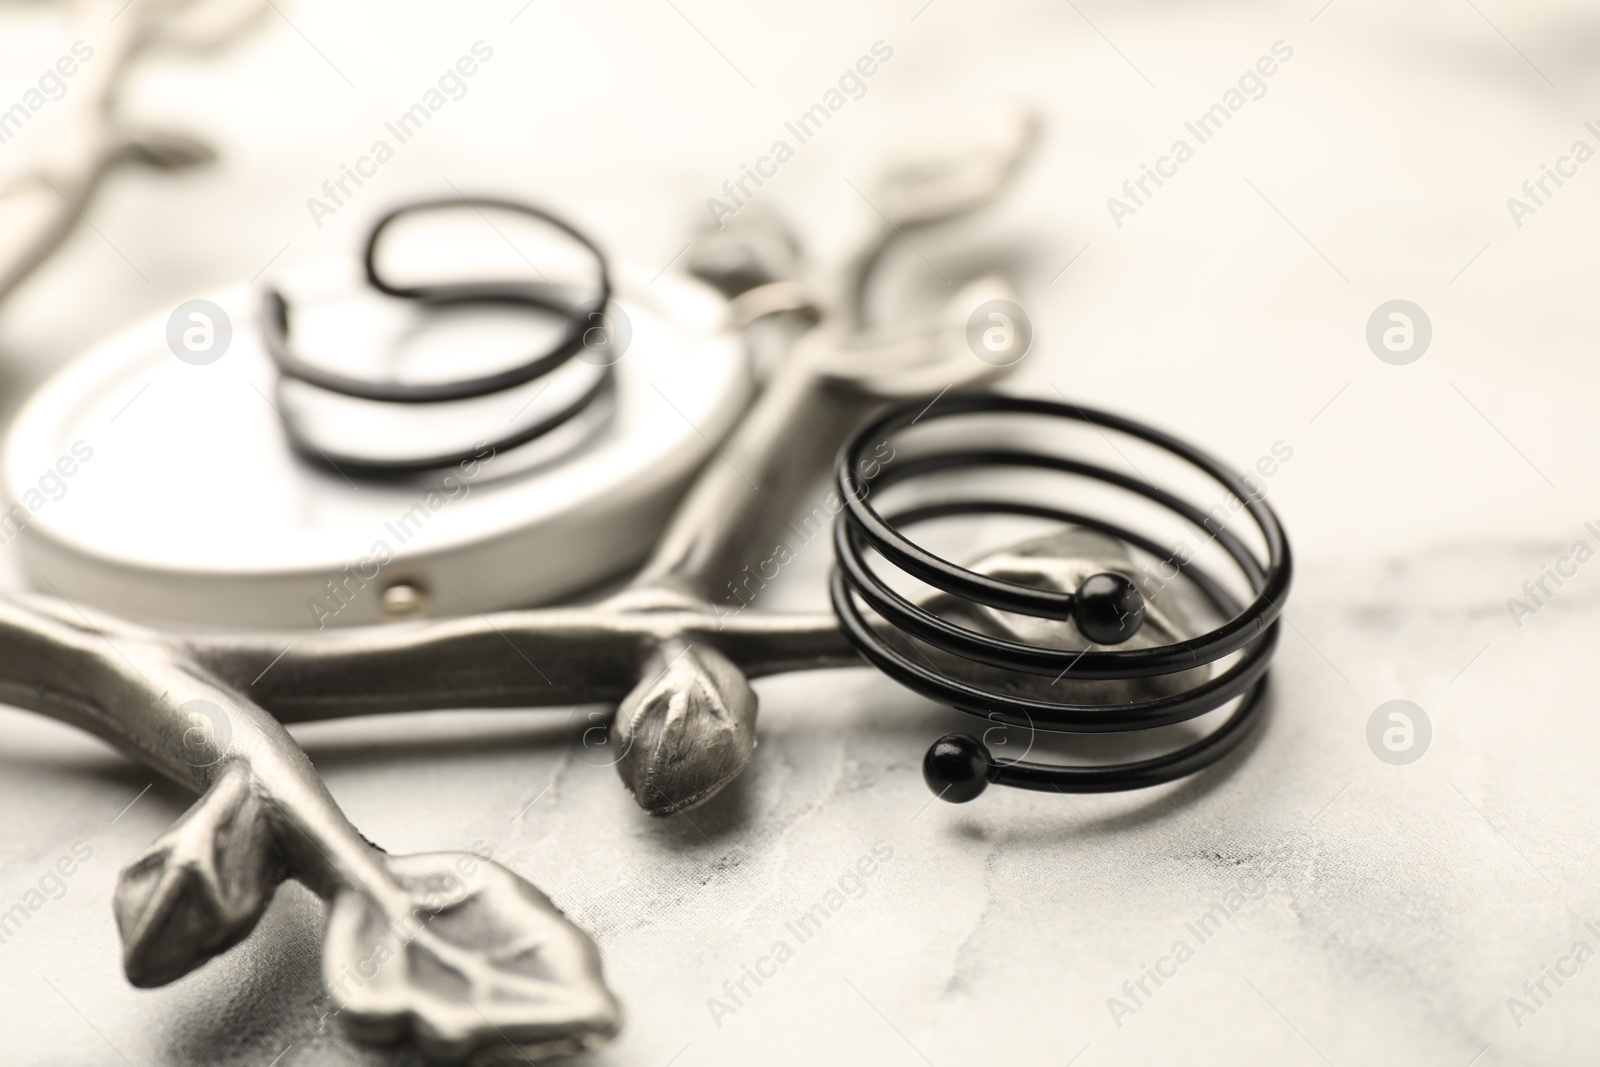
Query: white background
x=1231 y=309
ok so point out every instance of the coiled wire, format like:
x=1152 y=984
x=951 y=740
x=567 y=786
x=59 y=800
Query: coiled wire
x=959 y=766
x=584 y=322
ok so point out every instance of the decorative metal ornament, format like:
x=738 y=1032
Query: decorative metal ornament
x=1019 y=637
x=462 y=952
x=452 y=950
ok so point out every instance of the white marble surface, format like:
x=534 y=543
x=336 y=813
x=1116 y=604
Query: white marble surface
x=1391 y=910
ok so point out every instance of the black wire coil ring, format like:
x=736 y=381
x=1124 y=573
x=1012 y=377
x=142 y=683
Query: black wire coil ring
x=583 y=318
x=958 y=767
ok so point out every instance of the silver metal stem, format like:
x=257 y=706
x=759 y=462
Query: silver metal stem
x=42 y=200
x=509 y=966
x=514 y=659
x=778 y=450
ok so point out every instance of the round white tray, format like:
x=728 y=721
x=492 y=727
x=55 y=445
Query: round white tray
x=156 y=488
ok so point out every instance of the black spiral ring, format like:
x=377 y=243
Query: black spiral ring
x=958 y=767
x=582 y=317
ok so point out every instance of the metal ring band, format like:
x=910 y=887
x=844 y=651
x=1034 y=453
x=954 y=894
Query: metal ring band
x=580 y=316
x=1251 y=629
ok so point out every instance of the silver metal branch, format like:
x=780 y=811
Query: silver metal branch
x=43 y=198
x=450 y=949
x=677 y=661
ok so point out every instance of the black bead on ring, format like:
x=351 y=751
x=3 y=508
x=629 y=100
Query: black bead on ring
x=1106 y=608
x=583 y=317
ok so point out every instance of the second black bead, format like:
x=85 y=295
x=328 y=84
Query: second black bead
x=1109 y=608
x=957 y=768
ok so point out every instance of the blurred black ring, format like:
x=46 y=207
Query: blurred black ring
x=582 y=317
x=579 y=316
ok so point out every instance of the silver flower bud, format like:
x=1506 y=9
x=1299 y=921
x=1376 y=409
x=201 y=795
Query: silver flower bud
x=685 y=732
